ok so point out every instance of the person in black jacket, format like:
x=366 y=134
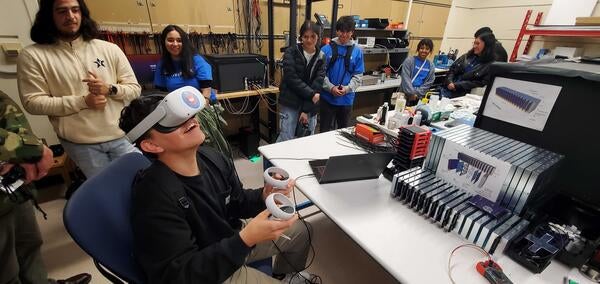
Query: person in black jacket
x=303 y=74
x=186 y=211
x=470 y=70
x=499 y=51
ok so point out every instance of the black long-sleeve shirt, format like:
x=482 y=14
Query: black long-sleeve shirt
x=200 y=243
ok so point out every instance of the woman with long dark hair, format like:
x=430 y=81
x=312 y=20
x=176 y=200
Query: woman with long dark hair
x=181 y=66
x=303 y=75
x=471 y=70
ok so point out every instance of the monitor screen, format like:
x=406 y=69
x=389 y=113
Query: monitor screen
x=143 y=66
x=555 y=107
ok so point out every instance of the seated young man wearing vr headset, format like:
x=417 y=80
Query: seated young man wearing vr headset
x=187 y=206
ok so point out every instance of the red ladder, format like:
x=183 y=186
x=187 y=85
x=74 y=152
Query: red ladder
x=538 y=19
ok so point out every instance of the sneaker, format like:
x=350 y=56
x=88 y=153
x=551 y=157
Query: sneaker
x=302 y=277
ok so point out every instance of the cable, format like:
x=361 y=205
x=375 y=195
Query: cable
x=316 y=278
x=482 y=251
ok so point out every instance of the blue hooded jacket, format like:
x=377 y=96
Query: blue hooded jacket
x=338 y=75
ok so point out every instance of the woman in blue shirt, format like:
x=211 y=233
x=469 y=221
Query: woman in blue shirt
x=418 y=73
x=181 y=66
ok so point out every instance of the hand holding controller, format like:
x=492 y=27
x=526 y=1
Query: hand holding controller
x=277 y=177
x=279 y=205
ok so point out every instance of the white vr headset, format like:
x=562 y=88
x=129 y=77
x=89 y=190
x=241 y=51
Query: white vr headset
x=174 y=110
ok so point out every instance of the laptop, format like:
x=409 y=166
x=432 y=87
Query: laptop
x=350 y=167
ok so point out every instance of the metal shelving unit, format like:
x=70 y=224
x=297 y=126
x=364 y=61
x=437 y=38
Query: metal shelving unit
x=377 y=50
x=540 y=30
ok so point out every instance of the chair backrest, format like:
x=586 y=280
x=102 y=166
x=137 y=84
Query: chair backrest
x=97 y=217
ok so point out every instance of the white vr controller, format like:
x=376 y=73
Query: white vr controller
x=279 y=205
x=277 y=183
x=175 y=109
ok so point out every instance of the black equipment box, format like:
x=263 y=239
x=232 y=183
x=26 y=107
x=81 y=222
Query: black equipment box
x=378 y=23
x=237 y=72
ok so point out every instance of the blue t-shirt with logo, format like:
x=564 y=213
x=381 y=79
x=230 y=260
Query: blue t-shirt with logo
x=422 y=75
x=202 y=72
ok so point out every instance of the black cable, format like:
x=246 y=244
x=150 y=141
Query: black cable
x=317 y=278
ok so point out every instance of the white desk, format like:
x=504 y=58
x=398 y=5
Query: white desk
x=407 y=245
x=388 y=83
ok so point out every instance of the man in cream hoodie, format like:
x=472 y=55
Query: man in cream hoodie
x=81 y=83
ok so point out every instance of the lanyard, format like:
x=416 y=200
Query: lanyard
x=420 y=68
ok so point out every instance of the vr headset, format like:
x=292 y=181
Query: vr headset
x=173 y=111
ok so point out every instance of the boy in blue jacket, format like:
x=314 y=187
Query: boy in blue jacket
x=345 y=66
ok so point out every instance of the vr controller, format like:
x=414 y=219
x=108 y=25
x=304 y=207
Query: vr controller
x=281 y=207
x=175 y=109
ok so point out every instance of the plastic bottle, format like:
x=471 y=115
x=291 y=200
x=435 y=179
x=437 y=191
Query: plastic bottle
x=400 y=103
x=378 y=115
x=433 y=102
x=404 y=119
x=417 y=119
x=384 y=110
x=444 y=103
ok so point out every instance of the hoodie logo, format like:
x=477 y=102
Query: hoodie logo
x=99 y=62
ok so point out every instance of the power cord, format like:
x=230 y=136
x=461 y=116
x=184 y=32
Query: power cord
x=316 y=279
x=482 y=251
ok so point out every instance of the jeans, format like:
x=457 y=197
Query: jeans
x=330 y=114
x=92 y=158
x=288 y=120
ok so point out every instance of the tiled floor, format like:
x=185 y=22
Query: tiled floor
x=338 y=259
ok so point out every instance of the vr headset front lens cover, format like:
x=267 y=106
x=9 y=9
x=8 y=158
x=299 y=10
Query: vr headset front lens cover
x=174 y=110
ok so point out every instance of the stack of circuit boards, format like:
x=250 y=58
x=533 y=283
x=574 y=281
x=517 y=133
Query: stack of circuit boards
x=449 y=207
x=530 y=167
x=457 y=210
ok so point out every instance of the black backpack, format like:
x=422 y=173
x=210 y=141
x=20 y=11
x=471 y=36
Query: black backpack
x=335 y=55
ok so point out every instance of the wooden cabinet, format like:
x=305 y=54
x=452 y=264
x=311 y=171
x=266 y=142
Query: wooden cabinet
x=191 y=15
x=324 y=7
x=398 y=11
x=433 y=21
x=196 y=15
x=371 y=9
x=119 y=11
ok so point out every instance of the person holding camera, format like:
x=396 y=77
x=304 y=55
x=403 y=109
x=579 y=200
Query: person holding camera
x=20 y=237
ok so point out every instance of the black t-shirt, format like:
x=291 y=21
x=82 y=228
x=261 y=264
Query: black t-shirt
x=182 y=226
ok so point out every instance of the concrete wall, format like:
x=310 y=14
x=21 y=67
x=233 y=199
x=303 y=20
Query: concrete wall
x=16 y=17
x=505 y=17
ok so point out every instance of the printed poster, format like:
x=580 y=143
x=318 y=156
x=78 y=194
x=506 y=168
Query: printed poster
x=473 y=171
x=523 y=103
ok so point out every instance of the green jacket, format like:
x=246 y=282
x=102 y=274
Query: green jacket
x=17 y=142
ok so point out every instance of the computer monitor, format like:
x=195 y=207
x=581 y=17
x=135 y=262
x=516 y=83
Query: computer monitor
x=143 y=66
x=555 y=107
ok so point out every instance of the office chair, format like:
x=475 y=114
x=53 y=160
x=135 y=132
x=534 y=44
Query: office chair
x=98 y=218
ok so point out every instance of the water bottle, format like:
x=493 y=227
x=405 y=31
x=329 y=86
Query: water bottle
x=400 y=102
x=384 y=110
x=417 y=119
x=404 y=119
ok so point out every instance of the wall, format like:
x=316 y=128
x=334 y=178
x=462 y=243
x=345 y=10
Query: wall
x=16 y=19
x=505 y=17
